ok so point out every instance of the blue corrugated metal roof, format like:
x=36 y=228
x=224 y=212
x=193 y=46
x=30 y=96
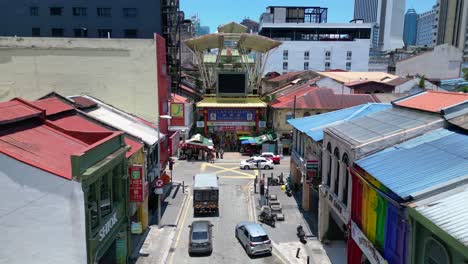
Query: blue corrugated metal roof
x=449 y=211
x=313 y=125
x=421 y=164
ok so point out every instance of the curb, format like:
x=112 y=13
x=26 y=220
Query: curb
x=184 y=203
x=174 y=231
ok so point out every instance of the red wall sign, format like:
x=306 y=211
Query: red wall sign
x=136 y=183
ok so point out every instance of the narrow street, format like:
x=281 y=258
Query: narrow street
x=235 y=206
x=237 y=203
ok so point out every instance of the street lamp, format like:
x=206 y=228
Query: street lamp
x=167 y=117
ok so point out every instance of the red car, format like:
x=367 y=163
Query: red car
x=269 y=155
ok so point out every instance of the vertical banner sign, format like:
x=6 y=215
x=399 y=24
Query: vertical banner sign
x=136 y=183
x=177 y=110
x=311 y=170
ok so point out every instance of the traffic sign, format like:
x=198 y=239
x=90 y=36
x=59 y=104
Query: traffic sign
x=158 y=183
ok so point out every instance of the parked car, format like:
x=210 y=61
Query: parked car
x=200 y=240
x=254 y=162
x=269 y=155
x=253 y=238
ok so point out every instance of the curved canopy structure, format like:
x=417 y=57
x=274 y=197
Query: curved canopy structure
x=232 y=27
x=245 y=41
x=237 y=51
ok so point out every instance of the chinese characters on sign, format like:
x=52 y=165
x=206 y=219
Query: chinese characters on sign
x=136 y=183
x=231 y=115
x=311 y=170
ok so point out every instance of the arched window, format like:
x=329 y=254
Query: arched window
x=329 y=164
x=345 y=161
x=337 y=171
x=435 y=252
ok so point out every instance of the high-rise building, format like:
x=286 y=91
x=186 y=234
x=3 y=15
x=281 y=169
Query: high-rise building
x=410 y=27
x=452 y=28
x=309 y=43
x=199 y=29
x=252 y=26
x=76 y=18
x=388 y=18
x=366 y=10
x=426 y=30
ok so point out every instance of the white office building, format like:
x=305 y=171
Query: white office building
x=389 y=17
x=425 y=29
x=309 y=43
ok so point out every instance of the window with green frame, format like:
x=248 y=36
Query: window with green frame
x=106 y=194
x=435 y=252
x=93 y=205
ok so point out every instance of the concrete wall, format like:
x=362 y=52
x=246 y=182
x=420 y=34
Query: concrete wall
x=42 y=218
x=443 y=62
x=16 y=18
x=337 y=87
x=121 y=72
x=359 y=59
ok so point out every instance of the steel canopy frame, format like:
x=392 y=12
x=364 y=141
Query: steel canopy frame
x=245 y=44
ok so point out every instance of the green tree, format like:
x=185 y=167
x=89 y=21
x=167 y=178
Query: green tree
x=422 y=82
x=465 y=73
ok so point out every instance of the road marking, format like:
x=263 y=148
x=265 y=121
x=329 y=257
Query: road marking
x=222 y=168
x=181 y=227
x=227 y=169
x=279 y=257
x=238 y=177
x=203 y=167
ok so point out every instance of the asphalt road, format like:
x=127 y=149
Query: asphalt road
x=235 y=206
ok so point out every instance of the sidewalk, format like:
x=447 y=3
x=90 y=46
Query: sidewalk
x=155 y=244
x=284 y=235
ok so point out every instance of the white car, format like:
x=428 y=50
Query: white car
x=255 y=162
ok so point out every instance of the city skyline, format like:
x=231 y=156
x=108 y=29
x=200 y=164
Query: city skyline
x=211 y=12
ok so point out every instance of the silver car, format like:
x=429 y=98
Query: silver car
x=200 y=240
x=253 y=238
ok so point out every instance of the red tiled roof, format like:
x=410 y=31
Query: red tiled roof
x=320 y=98
x=41 y=146
x=52 y=106
x=82 y=102
x=16 y=110
x=177 y=98
x=285 y=76
x=432 y=101
x=89 y=131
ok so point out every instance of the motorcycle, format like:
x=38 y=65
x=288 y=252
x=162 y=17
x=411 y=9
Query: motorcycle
x=301 y=234
x=267 y=217
x=288 y=191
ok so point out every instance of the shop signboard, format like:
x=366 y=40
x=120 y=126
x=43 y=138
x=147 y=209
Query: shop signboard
x=230 y=123
x=231 y=115
x=177 y=110
x=232 y=128
x=136 y=183
x=311 y=170
x=366 y=246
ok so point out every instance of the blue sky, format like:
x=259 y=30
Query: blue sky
x=215 y=12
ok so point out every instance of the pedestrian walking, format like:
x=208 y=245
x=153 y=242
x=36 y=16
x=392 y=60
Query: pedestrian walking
x=221 y=152
x=217 y=152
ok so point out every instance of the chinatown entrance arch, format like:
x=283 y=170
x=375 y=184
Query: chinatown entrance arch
x=231 y=64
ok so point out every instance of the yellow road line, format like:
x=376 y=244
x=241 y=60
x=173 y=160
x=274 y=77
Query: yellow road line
x=203 y=167
x=237 y=177
x=222 y=168
x=279 y=257
x=227 y=169
x=181 y=227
